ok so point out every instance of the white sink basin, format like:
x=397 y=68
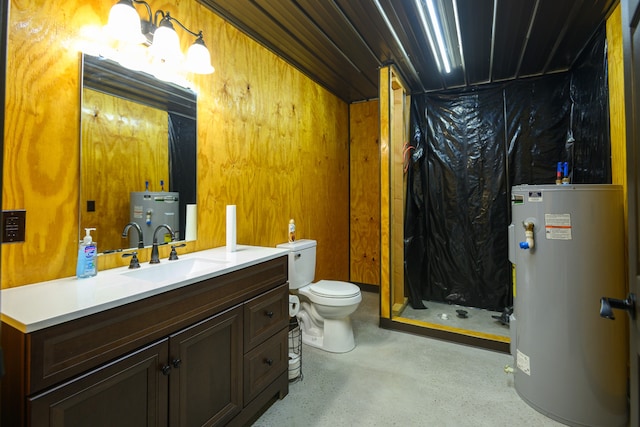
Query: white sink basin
x=174 y=270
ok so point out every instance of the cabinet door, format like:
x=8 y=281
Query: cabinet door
x=205 y=382
x=130 y=391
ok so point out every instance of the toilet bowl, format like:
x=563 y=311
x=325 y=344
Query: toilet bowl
x=325 y=306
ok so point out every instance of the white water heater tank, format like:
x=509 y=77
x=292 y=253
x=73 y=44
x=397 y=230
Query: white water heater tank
x=567 y=244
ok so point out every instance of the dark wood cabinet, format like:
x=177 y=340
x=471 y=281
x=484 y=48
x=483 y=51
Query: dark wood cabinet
x=206 y=371
x=131 y=391
x=213 y=353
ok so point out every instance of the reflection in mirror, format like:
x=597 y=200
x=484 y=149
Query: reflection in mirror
x=138 y=155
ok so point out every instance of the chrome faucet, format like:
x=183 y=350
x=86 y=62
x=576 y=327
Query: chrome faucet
x=155 y=258
x=135 y=225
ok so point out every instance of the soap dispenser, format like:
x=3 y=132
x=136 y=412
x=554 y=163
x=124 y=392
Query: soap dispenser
x=87 y=256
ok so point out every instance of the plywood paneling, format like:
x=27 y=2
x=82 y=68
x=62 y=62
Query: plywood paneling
x=616 y=97
x=270 y=141
x=365 y=192
x=124 y=144
x=617 y=123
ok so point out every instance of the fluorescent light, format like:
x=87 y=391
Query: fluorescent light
x=438 y=17
x=437 y=29
x=425 y=27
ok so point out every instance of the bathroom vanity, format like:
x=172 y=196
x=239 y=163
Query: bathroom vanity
x=199 y=342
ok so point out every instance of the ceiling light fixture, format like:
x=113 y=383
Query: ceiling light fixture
x=126 y=27
x=435 y=23
x=442 y=30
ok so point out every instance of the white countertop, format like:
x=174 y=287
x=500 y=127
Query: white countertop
x=40 y=305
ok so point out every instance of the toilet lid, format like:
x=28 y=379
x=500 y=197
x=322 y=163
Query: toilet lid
x=334 y=289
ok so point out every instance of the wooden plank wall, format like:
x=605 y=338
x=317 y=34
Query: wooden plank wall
x=365 y=192
x=270 y=141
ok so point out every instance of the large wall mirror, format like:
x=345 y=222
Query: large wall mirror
x=137 y=155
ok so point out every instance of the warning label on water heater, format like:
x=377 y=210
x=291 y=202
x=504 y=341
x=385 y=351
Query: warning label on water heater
x=137 y=211
x=522 y=362
x=535 y=196
x=557 y=226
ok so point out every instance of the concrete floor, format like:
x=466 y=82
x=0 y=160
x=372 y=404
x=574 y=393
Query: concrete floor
x=397 y=379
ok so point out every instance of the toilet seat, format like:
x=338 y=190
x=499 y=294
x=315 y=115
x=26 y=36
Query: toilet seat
x=332 y=293
x=334 y=289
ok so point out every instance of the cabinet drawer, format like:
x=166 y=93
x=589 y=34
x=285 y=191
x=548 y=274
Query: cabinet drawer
x=264 y=364
x=265 y=315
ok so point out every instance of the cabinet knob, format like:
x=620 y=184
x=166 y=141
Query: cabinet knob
x=268 y=361
x=166 y=369
x=176 y=363
x=269 y=314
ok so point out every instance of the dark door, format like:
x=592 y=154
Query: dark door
x=631 y=36
x=4 y=21
x=206 y=373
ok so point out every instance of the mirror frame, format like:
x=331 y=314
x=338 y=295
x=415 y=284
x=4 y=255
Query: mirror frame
x=109 y=77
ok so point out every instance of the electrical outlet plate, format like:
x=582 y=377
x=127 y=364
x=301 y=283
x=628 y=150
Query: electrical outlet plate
x=13 y=226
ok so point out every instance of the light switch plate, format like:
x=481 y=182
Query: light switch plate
x=13 y=226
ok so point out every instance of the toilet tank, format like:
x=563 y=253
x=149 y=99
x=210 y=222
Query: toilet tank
x=302 y=262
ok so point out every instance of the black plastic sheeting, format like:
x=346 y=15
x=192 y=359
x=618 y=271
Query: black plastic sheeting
x=468 y=148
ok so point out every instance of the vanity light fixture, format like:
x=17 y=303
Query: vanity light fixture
x=126 y=27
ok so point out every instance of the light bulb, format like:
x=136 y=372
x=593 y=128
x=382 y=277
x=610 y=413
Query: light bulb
x=124 y=23
x=198 y=58
x=166 y=45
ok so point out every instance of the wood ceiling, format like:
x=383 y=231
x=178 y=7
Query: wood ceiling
x=342 y=43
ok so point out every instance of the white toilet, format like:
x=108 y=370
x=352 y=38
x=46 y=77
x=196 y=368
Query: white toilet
x=325 y=306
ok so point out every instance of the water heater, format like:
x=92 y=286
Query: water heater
x=149 y=210
x=567 y=246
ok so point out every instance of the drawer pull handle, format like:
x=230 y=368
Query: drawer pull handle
x=166 y=369
x=176 y=363
x=268 y=362
x=269 y=314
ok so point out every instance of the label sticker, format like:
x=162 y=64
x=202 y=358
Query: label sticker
x=137 y=211
x=557 y=226
x=522 y=362
x=535 y=196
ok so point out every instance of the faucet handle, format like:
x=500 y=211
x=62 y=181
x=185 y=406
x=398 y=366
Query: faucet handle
x=134 y=259
x=174 y=255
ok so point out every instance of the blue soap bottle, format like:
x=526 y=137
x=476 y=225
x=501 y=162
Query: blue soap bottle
x=87 y=256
